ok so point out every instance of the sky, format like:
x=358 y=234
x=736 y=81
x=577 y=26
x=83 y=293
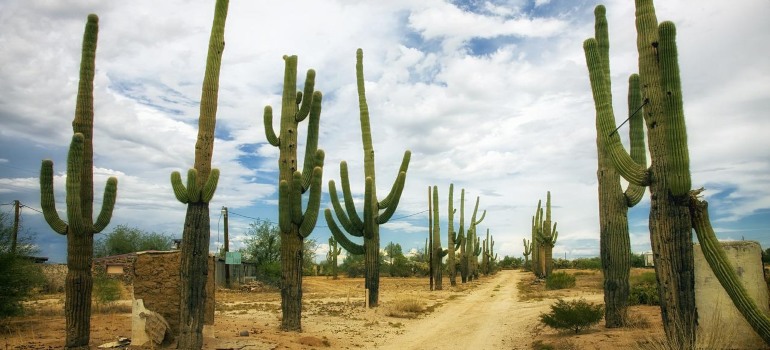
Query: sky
x=492 y=96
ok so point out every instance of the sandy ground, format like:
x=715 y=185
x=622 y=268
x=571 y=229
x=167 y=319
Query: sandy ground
x=486 y=314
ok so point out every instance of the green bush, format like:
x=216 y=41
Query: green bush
x=559 y=280
x=19 y=276
x=573 y=315
x=644 y=290
x=594 y=263
x=105 y=291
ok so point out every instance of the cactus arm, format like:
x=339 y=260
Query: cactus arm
x=625 y=165
x=193 y=191
x=269 y=132
x=634 y=193
x=284 y=206
x=47 y=199
x=309 y=97
x=108 y=204
x=73 y=183
x=313 y=205
x=385 y=203
x=483 y=214
x=341 y=216
x=676 y=131
x=348 y=196
x=179 y=190
x=390 y=209
x=207 y=192
x=723 y=270
x=312 y=157
x=352 y=248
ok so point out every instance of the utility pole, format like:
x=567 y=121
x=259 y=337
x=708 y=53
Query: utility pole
x=15 y=232
x=227 y=249
x=430 y=238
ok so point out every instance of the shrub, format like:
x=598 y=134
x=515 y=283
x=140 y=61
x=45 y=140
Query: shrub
x=573 y=315
x=105 y=291
x=406 y=308
x=587 y=263
x=559 y=280
x=19 y=276
x=644 y=290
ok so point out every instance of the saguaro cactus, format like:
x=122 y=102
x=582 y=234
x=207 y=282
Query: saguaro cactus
x=296 y=225
x=488 y=255
x=331 y=256
x=527 y=251
x=369 y=227
x=80 y=226
x=470 y=239
x=438 y=252
x=454 y=241
x=537 y=228
x=670 y=219
x=201 y=184
x=547 y=239
x=615 y=244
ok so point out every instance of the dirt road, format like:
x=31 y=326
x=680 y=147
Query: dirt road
x=491 y=317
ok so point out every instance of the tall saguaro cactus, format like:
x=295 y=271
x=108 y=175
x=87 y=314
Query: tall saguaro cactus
x=454 y=241
x=79 y=227
x=527 y=251
x=438 y=252
x=296 y=225
x=615 y=244
x=201 y=183
x=669 y=175
x=369 y=226
x=547 y=239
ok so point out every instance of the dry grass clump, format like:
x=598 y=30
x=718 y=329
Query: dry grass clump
x=406 y=308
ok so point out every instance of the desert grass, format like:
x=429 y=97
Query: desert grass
x=406 y=308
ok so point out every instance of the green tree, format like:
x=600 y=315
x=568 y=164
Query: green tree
x=398 y=264
x=353 y=265
x=263 y=246
x=309 y=247
x=18 y=274
x=125 y=239
x=510 y=262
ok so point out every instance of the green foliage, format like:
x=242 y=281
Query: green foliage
x=637 y=260
x=573 y=315
x=397 y=264
x=263 y=246
x=125 y=239
x=353 y=265
x=510 y=262
x=561 y=263
x=594 y=263
x=766 y=256
x=18 y=275
x=106 y=290
x=309 y=247
x=559 y=280
x=644 y=290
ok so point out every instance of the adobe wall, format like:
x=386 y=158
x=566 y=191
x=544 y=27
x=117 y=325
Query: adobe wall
x=156 y=282
x=716 y=312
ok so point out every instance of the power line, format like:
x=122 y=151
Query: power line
x=270 y=222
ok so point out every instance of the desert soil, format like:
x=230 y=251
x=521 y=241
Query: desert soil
x=490 y=313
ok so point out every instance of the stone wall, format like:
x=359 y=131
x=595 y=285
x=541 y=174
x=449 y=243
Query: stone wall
x=156 y=282
x=126 y=261
x=716 y=312
x=55 y=276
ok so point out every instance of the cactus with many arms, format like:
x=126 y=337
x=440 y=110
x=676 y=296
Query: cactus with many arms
x=295 y=224
x=369 y=226
x=331 y=256
x=79 y=227
x=488 y=255
x=201 y=184
x=472 y=249
x=615 y=245
x=547 y=239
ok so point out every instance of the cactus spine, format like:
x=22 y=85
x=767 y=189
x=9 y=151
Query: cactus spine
x=369 y=227
x=79 y=227
x=454 y=241
x=670 y=219
x=201 y=184
x=615 y=244
x=331 y=256
x=295 y=225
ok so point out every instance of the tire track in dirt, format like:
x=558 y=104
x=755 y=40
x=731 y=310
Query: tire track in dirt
x=490 y=317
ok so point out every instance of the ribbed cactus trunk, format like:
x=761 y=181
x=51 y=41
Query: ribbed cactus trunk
x=452 y=239
x=201 y=184
x=463 y=258
x=334 y=252
x=292 y=184
x=438 y=252
x=369 y=227
x=79 y=227
x=668 y=176
x=615 y=244
x=472 y=244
